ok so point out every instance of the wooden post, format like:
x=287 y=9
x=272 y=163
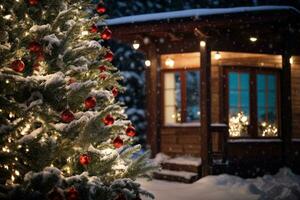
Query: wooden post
x=152 y=94
x=286 y=107
x=205 y=106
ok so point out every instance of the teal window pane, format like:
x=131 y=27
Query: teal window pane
x=271 y=99
x=261 y=99
x=233 y=98
x=244 y=98
x=271 y=82
x=261 y=82
x=233 y=80
x=244 y=81
x=261 y=114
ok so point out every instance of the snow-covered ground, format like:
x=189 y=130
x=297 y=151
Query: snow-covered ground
x=283 y=186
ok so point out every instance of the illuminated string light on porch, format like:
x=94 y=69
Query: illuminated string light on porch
x=136 y=45
x=202 y=43
x=253 y=39
x=218 y=56
x=147 y=63
x=170 y=62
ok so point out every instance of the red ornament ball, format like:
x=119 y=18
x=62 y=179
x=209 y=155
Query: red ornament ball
x=67 y=116
x=85 y=159
x=108 y=120
x=34 y=47
x=118 y=142
x=90 y=102
x=102 y=68
x=33 y=2
x=94 y=29
x=115 y=91
x=72 y=194
x=101 y=8
x=106 y=34
x=109 y=56
x=130 y=131
x=18 y=65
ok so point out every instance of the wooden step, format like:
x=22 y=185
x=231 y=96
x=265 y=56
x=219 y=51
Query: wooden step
x=188 y=164
x=178 y=176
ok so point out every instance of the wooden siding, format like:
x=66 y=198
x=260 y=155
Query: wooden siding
x=181 y=140
x=295 y=72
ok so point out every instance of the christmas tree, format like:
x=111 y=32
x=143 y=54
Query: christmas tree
x=62 y=133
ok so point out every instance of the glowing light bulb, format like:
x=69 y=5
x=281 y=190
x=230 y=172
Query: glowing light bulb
x=84 y=33
x=17 y=173
x=218 y=56
x=136 y=45
x=253 y=39
x=7 y=17
x=170 y=62
x=148 y=63
x=12 y=178
x=291 y=60
x=202 y=43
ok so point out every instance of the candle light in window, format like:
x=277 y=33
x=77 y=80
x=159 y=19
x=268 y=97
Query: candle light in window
x=170 y=62
x=136 y=45
x=218 y=56
x=253 y=39
x=148 y=63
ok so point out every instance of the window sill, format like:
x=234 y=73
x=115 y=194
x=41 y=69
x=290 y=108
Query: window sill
x=256 y=140
x=192 y=124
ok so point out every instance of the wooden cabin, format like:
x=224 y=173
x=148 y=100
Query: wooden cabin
x=222 y=84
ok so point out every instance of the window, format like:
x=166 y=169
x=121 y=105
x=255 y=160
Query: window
x=181 y=87
x=252 y=103
x=239 y=104
x=266 y=105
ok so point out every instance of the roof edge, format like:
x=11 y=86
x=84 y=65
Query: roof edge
x=193 y=13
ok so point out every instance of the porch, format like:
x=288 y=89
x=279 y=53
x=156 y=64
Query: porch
x=216 y=46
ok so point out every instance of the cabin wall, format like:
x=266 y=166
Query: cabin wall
x=181 y=140
x=295 y=78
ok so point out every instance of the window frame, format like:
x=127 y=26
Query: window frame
x=253 y=71
x=182 y=72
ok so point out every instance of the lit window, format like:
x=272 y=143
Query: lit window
x=181 y=84
x=256 y=114
x=238 y=104
x=266 y=105
x=181 y=97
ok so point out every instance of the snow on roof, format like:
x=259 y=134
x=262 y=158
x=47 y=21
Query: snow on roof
x=193 y=13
